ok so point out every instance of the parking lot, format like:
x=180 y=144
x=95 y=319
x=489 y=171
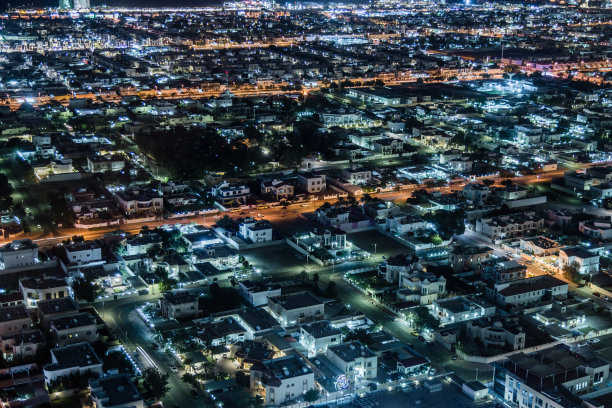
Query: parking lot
x=374 y=241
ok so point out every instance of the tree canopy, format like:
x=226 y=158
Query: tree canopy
x=155 y=382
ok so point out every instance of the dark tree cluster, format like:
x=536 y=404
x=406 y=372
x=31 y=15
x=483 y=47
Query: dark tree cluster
x=188 y=153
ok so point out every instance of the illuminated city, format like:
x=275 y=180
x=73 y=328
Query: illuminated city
x=258 y=204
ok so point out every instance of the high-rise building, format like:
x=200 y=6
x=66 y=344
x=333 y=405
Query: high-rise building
x=74 y=4
x=81 y=4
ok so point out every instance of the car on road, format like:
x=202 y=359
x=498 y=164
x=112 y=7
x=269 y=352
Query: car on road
x=597 y=294
x=455 y=357
x=583 y=344
x=174 y=369
x=594 y=340
x=421 y=338
x=415 y=333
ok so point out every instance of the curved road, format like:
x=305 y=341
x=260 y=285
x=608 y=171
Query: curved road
x=123 y=318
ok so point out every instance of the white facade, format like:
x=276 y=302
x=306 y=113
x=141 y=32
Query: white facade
x=256 y=231
x=311 y=184
x=317 y=336
x=83 y=253
x=34 y=290
x=295 y=308
x=282 y=379
x=585 y=261
x=256 y=294
x=136 y=202
x=404 y=224
x=357 y=176
x=530 y=290
x=354 y=359
x=77 y=358
x=460 y=309
x=18 y=253
x=508 y=226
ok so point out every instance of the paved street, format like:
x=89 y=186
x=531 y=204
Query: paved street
x=123 y=318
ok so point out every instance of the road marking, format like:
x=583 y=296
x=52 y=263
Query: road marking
x=146 y=356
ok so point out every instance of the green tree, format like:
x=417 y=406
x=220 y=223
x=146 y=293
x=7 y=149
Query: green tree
x=155 y=382
x=85 y=290
x=571 y=273
x=331 y=290
x=448 y=223
x=154 y=250
x=435 y=239
x=116 y=360
x=311 y=395
x=488 y=182
x=167 y=284
x=424 y=320
x=189 y=378
x=6 y=189
x=361 y=335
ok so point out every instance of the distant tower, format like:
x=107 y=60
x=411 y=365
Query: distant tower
x=81 y=4
x=74 y=4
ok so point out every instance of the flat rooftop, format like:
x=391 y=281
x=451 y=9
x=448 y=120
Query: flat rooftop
x=114 y=390
x=10 y=313
x=351 y=351
x=74 y=355
x=320 y=329
x=296 y=300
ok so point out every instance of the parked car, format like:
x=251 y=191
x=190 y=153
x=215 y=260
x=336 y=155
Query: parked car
x=173 y=369
x=594 y=340
x=583 y=344
x=432 y=371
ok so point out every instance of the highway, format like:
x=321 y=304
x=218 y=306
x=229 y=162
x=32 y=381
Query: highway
x=53 y=235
